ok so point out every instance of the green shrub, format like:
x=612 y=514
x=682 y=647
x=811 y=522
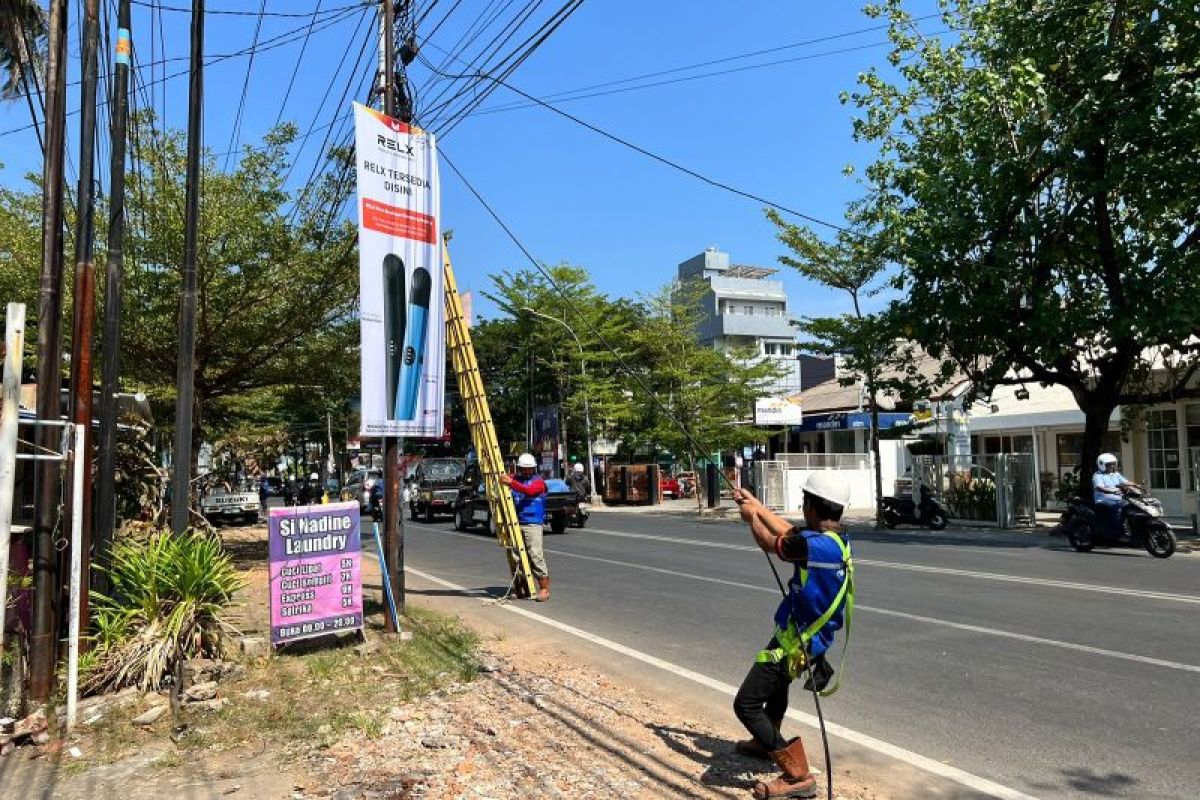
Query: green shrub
x=168 y=599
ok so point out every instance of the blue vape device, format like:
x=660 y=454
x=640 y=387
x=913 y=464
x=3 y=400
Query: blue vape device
x=413 y=354
x=393 y=323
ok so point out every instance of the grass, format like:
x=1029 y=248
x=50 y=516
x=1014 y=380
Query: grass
x=316 y=698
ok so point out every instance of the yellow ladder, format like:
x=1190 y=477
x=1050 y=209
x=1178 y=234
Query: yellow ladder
x=483 y=436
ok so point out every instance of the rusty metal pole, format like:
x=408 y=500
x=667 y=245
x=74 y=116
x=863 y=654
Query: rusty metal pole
x=49 y=357
x=85 y=291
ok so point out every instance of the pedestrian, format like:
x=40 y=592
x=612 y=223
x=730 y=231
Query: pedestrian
x=529 y=496
x=805 y=623
x=264 y=491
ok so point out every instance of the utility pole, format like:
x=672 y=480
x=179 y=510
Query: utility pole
x=45 y=584
x=393 y=515
x=85 y=297
x=106 y=512
x=185 y=379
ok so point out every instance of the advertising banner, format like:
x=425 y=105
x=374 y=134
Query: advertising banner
x=316 y=571
x=778 y=411
x=545 y=437
x=400 y=278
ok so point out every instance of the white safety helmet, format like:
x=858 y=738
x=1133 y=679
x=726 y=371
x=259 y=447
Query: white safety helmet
x=829 y=487
x=526 y=461
x=578 y=467
x=314 y=477
x=1104 y=460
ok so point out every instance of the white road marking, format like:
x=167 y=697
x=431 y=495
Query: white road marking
x=961 y=777
x=962 y=573
x=945 y=623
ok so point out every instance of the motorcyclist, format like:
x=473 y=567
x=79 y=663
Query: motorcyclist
x=577 y=482
x=1108 y=488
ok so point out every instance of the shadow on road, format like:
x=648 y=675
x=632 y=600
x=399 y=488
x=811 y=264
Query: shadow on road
x=997 y=539
x=1094 y=784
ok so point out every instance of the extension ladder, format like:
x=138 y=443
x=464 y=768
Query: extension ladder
x=483 y=435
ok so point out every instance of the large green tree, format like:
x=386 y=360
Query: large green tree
x=277 y=286
x=1038 y=183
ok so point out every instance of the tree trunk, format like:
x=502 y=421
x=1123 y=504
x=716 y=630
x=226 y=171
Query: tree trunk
x=1096 y=415
x=874 y=433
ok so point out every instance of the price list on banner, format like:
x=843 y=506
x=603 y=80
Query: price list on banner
x=316 y=571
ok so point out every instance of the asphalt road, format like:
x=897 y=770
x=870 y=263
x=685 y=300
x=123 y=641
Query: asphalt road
x=1009 y=656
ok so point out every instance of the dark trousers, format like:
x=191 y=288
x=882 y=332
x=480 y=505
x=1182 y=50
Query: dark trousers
x=762 y=698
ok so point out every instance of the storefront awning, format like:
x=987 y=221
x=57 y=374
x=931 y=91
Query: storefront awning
x=845 y=420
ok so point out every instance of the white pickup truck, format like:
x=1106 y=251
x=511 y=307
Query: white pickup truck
x=223 y=506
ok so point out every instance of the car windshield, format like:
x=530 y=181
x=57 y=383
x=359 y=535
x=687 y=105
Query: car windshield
x=442 y=470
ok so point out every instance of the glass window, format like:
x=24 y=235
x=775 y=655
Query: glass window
x=749 y=310
x=1070 y=445
x=842 y=442
x=1191 y=419
x=1162 y=445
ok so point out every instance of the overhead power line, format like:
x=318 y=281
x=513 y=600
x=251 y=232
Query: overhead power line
x=655 y=156
x=243 y=13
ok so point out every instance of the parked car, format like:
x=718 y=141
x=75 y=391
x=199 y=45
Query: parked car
x=434 y=487
x=358 y=487
x=670 y=487
x=231 y=505
x=471 y=507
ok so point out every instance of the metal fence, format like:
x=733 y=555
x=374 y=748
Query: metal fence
x=809 y=461
x=1000 y=489
x=770 y=484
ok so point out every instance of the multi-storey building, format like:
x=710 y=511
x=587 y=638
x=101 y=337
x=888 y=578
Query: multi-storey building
x=742 y=308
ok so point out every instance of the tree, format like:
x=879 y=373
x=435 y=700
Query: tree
x=277 y=289
x=22 y=34
x=1038 y=184
x=852 y=265
x=702 y=398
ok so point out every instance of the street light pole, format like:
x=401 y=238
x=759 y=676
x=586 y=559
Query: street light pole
x=587 y=410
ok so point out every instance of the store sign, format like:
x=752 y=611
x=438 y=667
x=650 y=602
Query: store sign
x=316 y=571
x=778 y=411
x=400 y=278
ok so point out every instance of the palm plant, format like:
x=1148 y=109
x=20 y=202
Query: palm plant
x=22 y=34
x=168 y=601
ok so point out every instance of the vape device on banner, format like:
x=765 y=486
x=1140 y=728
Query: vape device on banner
x=393 y=322
x=413 y=360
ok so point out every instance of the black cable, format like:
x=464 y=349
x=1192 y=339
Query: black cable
x=233 y=13
x=299 y=59
x=662 y=159
x=234 y=134
x=519 y=57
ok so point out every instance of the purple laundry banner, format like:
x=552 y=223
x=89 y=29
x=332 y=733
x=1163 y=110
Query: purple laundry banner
x=316 y=571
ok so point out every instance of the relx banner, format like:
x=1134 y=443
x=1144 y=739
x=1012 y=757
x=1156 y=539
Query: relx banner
x=400 y=278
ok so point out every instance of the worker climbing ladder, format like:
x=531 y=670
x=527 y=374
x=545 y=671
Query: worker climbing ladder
x=483 y=436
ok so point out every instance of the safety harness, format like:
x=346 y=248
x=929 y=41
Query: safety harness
x=794 y=642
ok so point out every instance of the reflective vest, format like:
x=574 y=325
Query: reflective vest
x=820 y=601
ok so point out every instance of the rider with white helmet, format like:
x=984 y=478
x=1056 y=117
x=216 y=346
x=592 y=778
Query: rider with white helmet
x=1108 y=486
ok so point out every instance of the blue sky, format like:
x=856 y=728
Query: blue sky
x=571 y=195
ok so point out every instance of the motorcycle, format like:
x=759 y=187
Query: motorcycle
x=902 y=510
x=1140 y=525
x=580 y=516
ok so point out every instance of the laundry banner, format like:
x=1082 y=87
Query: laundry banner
x=400 y=278
x=315 y=557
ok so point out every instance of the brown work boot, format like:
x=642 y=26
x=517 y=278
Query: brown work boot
x=753 y=748
x=796 y=780
x=543 y=589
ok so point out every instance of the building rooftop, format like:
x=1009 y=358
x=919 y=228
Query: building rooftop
x=749 y=271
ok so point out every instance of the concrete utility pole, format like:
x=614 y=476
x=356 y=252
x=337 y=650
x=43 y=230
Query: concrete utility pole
x=85 y=303
x=185 y=380
x=393 y=446
x=105 y=519
x=49 y=356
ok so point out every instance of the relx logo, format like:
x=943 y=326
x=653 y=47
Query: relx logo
x=395 y=146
